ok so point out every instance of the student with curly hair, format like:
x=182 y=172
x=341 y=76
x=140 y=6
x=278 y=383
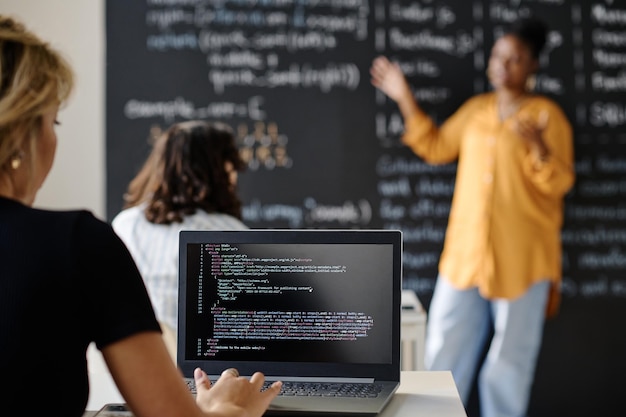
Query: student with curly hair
x=189 y=181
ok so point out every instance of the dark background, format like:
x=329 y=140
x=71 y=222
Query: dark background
x=323 y=146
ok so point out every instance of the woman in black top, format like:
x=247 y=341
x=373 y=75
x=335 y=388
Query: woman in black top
x=67 y=280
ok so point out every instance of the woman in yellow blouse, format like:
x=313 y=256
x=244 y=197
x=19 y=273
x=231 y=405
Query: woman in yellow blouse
x=500 y=270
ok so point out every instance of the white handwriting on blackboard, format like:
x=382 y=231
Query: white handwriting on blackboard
x=395 y=187
x=549 y=85
x=181 y=108
x=594 y=236
x=618 y=288
x=593 y=212
x=237 y=59
x=252 y=18
x=421 y=285
x=293 y=41
x=594 y=288
x=416 y=13
x=258 y=212
x=175 y=2
x=333 y=23
x=333 y=75
x=235 y=77
x=601 y=37
x=607 y=114
x=421 y=67
x=432 y=94
x=335 y=4
x=389 y=125
x=605 y=59
x=387 y=165
x=420 y=260
x=517 y=2
x=169 y=110
x=615 y=258
x=389 y=211
x=599 y=286
x=310 y=213
x=605 y=16
x=434 y=187
x=214 y=41
x=607 y=164
x=347 y=213
x=602 y=188
x=172 y=41
x=257 y=19
x=604 y=82
x=429 y=208
x=460 y=44
x=504 y=13
x=164 y=18
x=427 y=232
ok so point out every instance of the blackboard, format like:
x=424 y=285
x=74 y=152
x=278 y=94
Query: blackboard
x=322 y=146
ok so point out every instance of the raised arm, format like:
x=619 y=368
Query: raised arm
x=389 y=78
x=421 y=134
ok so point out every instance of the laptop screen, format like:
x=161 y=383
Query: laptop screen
x=290 y=300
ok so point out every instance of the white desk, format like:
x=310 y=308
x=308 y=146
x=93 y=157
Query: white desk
x=421 y=393
x=425 y=393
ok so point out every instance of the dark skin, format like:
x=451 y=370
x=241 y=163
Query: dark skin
x=511 y=63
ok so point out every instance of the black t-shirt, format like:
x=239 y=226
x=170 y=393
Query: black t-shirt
x=66 y=280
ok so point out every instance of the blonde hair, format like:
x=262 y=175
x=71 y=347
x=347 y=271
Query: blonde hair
x=33 y=78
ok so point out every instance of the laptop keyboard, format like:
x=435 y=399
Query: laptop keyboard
x=317 y=389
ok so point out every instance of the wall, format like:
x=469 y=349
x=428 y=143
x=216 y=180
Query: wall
x=76 y=28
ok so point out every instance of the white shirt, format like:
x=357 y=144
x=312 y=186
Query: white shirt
x=154 y=248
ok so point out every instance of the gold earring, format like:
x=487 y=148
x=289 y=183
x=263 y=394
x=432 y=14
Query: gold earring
x=16 y=159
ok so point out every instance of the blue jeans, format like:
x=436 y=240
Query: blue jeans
x=459 y=324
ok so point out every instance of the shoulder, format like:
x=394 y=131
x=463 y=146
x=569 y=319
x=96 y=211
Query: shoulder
x=79 y=236
x=129 y=221
x=69 y=220
x=477 y=102
x=92 y=235
x=477 y=105
x=63 y=225
x=202 y=219
x=480 y=99
x=79 y=228
x=126 y=215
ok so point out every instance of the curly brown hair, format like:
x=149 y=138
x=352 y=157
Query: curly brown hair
x=186 y=171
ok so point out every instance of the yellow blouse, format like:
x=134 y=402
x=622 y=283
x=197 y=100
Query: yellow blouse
x=504 y=227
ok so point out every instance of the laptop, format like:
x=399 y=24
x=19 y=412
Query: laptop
x=313 y=308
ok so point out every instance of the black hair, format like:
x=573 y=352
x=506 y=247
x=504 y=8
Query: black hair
x=531 y=31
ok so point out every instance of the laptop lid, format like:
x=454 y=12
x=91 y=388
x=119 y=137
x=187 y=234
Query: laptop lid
x=303 y=305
